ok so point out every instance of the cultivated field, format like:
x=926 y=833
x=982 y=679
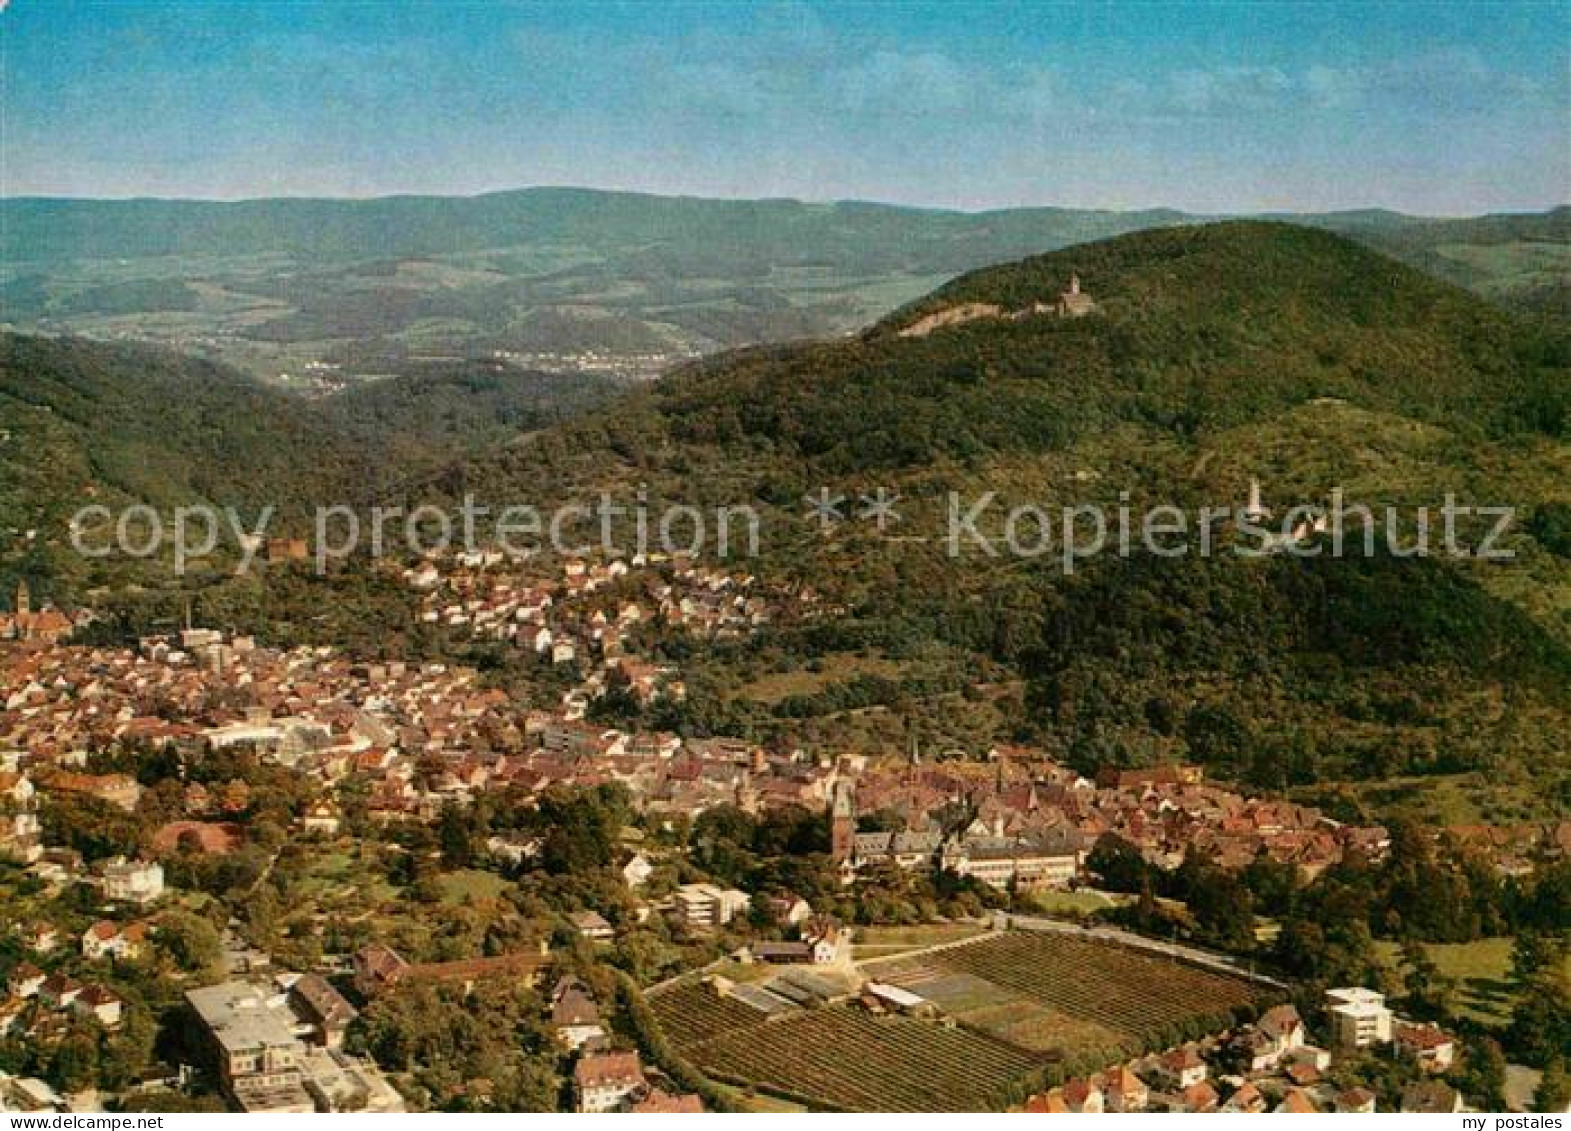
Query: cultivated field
x=1052 y=991
x=849 y=1060
x=1010 y=1005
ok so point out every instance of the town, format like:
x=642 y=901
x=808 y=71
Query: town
x=283 y=845
x=775 y=557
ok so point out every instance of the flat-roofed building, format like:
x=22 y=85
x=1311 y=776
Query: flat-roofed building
x=705 y=905
x=1358 y=1017
x=255 y=1049
x=266 y=1067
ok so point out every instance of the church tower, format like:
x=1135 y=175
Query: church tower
x=842 y=823
x=24 y=600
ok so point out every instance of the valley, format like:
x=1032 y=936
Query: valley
x=637 y=819
x=314 y=295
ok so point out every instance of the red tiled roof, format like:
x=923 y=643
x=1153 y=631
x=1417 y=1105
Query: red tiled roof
x=659 y=1102
x=599 y=1069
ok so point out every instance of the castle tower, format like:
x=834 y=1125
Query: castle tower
x=1256 y=509
x=1074 y=302
x=24 y=600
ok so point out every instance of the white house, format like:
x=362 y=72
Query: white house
x=1279 y=1031
x=823 y=943
x=1183 y=1067
x=593 y=926
x=602 y=1080
x=1433 y=1048
x=574 y=1014
x=105 y=939
x=133 y=881
x=100 y=1003
x=25 y=981
x=321 y=817
x=636 y=872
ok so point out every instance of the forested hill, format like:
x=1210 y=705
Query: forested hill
x=85 y=422
x=1217 y=354
x=1199 y=330
x=89 y=422
x=1204 y=325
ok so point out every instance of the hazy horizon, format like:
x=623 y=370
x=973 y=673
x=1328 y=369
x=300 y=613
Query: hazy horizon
x=1222 y=108
x=909 y=206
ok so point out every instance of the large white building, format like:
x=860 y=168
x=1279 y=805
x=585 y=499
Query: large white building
x=133 y=881
x=254 y=1047
x=1046 y=859
x=1358 y=1017
x=705 y=905
x=266 y=1067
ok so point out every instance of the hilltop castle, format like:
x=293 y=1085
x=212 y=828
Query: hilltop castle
x=1071 y=303
x=1074 y=302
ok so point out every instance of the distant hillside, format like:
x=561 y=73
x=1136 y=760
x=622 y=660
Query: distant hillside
x=1521 y=261
x=697 y=234
x=85 y=421
x=262 y=283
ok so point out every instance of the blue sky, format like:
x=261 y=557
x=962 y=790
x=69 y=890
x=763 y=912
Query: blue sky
x=1435 y=108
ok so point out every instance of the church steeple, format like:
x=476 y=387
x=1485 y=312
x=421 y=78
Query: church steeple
x=842 y=822
x=24 y=599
